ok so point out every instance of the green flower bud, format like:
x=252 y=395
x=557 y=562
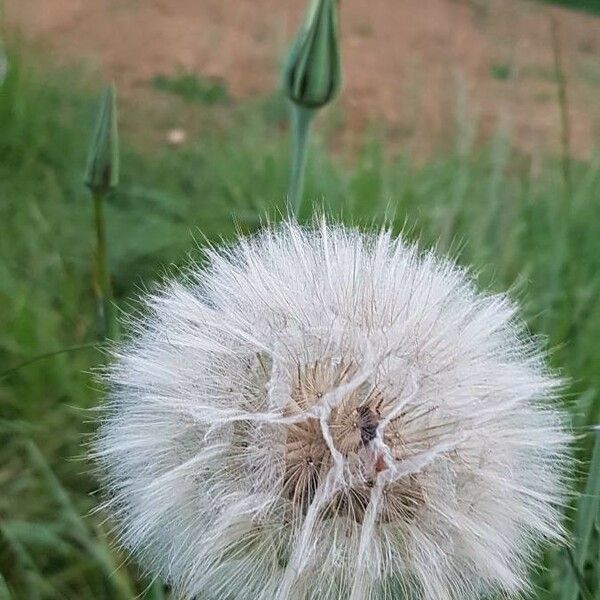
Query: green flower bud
x=102 y=171
x=313 y=74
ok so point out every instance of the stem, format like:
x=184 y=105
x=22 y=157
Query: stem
x=564 y=247
x=561 y=85
x=35 y=359
x=582 y=588
x=103 y=287
x=301 y=120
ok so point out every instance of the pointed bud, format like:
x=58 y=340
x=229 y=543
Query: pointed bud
x=313 y=74
x=102 y=171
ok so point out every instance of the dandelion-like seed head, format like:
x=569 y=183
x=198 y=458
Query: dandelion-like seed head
x=324 y=413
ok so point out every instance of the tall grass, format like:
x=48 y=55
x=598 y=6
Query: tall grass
x=504 y=213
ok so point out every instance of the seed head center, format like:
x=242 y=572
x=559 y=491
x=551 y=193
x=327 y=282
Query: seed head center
x=353 y=426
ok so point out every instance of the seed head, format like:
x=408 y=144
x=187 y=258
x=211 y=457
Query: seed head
x=324 y=413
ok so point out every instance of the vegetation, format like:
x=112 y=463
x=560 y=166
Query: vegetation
x=515 y=220
x=592 y=6
x=192 y=88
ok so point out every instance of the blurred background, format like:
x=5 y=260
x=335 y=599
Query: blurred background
x=473 y=125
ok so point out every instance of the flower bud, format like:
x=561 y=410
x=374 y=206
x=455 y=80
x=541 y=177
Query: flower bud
x=312 y=74
x=102 y=171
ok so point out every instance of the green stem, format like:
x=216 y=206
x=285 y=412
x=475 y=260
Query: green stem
x=582 y=590
x=35 y=359
x=106 y=311
x=301 y=120
x=561 y=89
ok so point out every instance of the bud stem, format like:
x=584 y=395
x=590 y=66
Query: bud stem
x=102 y=285
x=301 y=120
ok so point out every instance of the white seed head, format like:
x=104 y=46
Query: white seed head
x=324 y=413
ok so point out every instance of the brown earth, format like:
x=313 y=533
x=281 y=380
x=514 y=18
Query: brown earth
x=416 y=67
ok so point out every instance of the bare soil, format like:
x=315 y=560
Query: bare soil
x=417 y=68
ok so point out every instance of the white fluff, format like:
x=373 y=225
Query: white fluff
x=329 y=414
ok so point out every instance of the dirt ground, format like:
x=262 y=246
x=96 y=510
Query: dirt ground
x=416 y=67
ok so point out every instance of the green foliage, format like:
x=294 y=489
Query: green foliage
x=491 y=208
x=592 y=6
x=501 y=71
x=586 y=518
x=192 y=88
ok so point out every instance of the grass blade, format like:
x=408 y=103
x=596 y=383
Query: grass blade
x=4 y=591
x=79 y=529
x=585 y=520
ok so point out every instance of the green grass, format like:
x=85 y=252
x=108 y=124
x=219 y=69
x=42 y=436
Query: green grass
x=493 y=208
x=192 y=88
x=592 y=6
x=501 y=71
